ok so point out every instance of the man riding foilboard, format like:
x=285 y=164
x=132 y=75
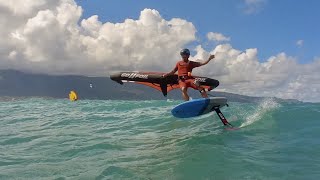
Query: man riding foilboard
x=184 y=68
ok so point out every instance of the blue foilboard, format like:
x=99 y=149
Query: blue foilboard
x=198 y=107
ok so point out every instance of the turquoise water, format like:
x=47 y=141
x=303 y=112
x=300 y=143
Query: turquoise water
x=88 y=139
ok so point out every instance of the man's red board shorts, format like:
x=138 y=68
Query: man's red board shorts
x=188 y=83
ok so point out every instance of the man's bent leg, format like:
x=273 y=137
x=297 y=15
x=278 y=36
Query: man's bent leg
x=203 y=93
x=185 y=94
x=196 y=85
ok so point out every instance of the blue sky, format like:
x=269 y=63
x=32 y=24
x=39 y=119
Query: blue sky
x=273 y=27
x=262 y=47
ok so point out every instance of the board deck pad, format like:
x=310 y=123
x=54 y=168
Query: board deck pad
x=198 y=107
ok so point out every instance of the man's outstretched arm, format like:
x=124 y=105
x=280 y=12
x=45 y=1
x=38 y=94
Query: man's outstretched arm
x=207 y=61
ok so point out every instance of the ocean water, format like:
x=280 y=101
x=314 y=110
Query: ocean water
x=107 y=139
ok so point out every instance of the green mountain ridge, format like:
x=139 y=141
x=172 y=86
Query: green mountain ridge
x=19 y=84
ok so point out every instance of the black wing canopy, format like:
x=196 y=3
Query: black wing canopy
x=155 y=80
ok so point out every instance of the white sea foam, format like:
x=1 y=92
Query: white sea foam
x=264 y=107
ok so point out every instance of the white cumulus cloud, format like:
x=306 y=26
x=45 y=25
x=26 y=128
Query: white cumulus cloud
x=51 y=38
x=243 y=73
x=218 y=37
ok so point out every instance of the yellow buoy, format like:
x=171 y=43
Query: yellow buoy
x=73 y=96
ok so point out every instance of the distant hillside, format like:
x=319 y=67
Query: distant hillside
x=19 y=84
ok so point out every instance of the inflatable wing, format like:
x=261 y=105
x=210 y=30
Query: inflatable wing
x=155 y=80
x=73 y=96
